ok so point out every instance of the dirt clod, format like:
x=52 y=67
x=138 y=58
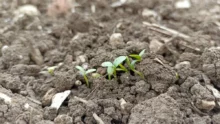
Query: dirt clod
x=161 y=109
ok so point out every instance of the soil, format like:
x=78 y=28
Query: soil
x=181 y=64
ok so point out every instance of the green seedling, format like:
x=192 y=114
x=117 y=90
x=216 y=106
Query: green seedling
x=50 y=70
x=138 y=57
x=112 y=68
x=131 y=65
x=177 y=76
x=84 y=73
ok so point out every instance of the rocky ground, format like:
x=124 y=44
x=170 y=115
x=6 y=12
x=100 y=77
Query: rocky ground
x=181 y=64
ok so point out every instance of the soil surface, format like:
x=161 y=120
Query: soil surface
x=181 y=64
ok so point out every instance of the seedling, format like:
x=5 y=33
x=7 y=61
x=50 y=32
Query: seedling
x=131 y=65
x=84 y=73
x=177 y=76
x=138 y=57
x=50 y=70
x=112 y=68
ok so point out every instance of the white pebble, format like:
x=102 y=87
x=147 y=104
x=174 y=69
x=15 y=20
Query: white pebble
x=4 y=48
x=59 y=98
x=6 y=98
x=27 y=10
x=116 y=39
x=183 y=4
x=26 y=106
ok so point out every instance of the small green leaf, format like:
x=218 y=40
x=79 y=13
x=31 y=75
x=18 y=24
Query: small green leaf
x=132 y=64
x=82 y=71
x=139 y=73
x=137 y=57
x=128 y=60
x=141 y=53
x=119 y=69
x=177 y=76
x=90 y=71
x=110 y=70
x=123 y=68
x=107 y=64
x=119 y=60
x=51 y=69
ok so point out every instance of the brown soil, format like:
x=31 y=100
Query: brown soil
x=181 y=65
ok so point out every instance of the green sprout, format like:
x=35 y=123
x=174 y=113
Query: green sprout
x=84 y=73
x=138 y=57
x=50 y=70
x=131 y=65
x=177 y=76
x=112 y=68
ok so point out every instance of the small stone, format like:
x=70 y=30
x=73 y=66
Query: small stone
x=59 y=98
x=81 y=59
x=78 y=83
x=149 y=13
x=116 y=39
x=183 y=4
x=155 y=45
x=183 y=64
x=6 y=98
x=24 y=93
x=29 y=10
x=205 y=105
x=4 y=48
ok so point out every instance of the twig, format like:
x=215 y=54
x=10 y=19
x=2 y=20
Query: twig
x=159 y=61
x=168 y=30
x=172 y=33
x=34 y=101
x=81 y=100
x=30 y=91
x=98 y=119
x=92 y=91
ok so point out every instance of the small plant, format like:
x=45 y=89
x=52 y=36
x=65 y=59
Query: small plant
x=177 y=76
x=138 y=57
x=50 y=70
x=112 y=68
x=131 y=64
x=84 y=73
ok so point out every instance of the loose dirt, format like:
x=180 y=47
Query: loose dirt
x=181 y=64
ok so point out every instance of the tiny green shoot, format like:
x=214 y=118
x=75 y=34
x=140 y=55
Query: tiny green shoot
x=50 y=70
x=138 y=57
x=112 y=68
x=84 y=73
x=131 y=65
x=177 y=76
